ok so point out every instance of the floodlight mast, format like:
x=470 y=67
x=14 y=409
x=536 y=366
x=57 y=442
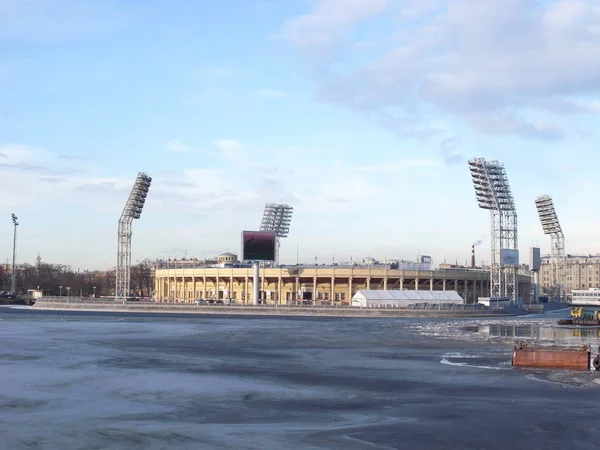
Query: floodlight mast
x=551 y=226
x=13 y=277
x=132 y=210
x=493 y=193
x=277 y=219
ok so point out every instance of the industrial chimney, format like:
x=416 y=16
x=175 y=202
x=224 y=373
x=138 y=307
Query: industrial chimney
x=473 y=256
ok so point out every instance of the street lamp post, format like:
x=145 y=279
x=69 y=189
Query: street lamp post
x=60 y=291
x=94 y=291
x=13 y=284
x=68 y=292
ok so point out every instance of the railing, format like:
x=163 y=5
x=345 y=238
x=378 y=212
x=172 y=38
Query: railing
x=77 y=299
x=105 y=301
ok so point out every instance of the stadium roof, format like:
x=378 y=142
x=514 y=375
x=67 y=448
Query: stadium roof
x=415 y=295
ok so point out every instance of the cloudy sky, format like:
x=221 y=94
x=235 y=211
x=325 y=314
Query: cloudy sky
x=362 y=114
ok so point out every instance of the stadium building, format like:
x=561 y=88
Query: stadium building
x=177 y=282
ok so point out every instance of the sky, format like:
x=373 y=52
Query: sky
x=362 y=114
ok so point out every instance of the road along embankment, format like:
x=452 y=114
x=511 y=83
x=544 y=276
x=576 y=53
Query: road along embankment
x=134 y=307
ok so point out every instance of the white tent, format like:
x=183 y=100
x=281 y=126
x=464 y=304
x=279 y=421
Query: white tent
x=403 y=298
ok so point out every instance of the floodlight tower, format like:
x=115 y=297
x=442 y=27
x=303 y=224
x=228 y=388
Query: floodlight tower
x=132 y=210
x=493 y=193
x=13 y=279
x=551 y=226
x=277 y=219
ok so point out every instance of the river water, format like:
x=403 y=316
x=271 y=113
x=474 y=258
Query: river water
x=80 y=380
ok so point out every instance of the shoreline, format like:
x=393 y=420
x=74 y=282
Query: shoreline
x=266 y=310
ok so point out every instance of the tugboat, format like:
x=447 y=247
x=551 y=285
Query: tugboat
x=14 y=299
x=582 y=316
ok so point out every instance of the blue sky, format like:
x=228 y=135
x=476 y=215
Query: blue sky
x=360 y=113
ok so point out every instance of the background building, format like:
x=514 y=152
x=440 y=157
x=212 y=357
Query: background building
x=581 y=272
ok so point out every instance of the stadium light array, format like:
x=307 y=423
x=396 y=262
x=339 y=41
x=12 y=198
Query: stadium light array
x=491 y=185
x=137 y=197
x=132 y=210
x=547 y=214
x=277 y=219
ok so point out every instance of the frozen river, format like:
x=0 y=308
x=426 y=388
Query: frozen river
x=77 y=380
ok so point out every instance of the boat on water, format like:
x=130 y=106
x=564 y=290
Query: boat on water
x=15 y=299
x=582 y=316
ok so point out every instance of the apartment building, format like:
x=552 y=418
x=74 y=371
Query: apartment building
x=581 y=272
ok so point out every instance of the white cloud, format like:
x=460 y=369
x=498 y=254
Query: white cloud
x=330 y=20
x=215 y=199
x=232 y=151
x=502 y=67
x=178 y=146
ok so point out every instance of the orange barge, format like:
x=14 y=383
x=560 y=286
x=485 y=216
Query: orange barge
x=577 y=358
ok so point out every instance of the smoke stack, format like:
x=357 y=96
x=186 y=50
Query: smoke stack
x=473 y=256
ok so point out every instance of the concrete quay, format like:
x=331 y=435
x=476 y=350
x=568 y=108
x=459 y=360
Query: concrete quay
x=300 y=311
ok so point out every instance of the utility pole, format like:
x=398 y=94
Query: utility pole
x=13 y=284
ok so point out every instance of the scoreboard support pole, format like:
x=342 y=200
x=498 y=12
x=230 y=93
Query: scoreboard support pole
x=256 y=284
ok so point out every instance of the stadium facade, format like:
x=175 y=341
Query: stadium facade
x=325 y=284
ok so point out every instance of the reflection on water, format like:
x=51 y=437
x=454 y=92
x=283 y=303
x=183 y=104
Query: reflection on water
x=585 y=335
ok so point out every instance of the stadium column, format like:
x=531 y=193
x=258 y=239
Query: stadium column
x=255 y=283
x=315 y=287
x=263 y=285
x=332 y=294
x=194 y=296
x=350 y=289
x=401 y=283
x=416 y=284
x=204 y=285
x=467 y=291
x=297 y=287
x=278 y=299
x=385 y=280
x=245 y=295
x=431 y=284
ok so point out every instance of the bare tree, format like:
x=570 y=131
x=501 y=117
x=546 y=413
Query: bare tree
x=49 y=278
x=142 y=278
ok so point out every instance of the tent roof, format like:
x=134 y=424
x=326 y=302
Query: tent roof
x=409 y=295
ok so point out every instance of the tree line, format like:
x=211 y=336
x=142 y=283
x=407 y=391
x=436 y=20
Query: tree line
x=60 y=279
